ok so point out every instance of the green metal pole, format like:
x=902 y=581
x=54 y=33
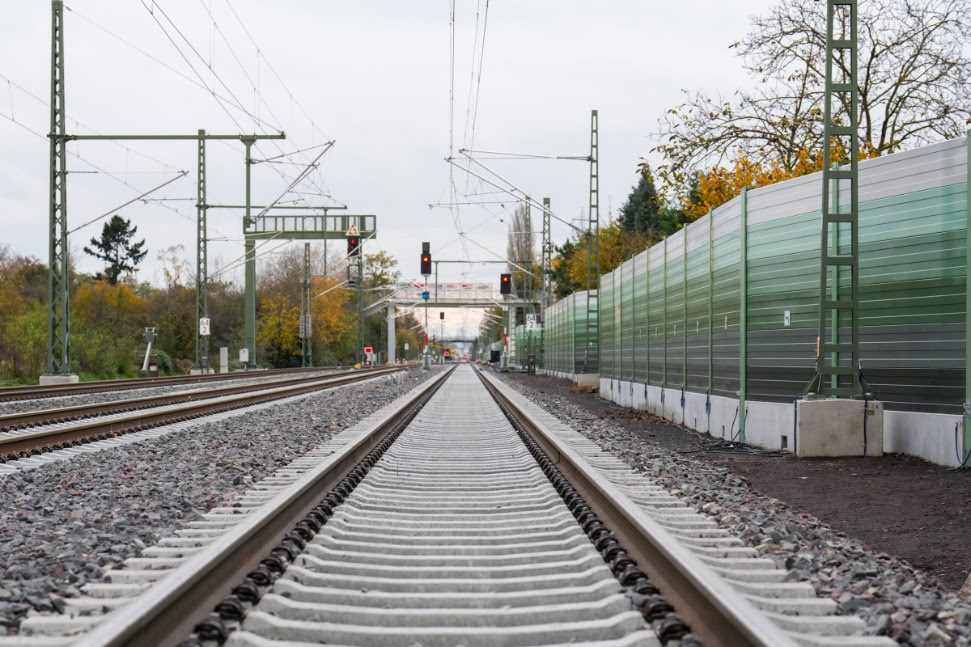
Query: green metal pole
x=202 y=258
x=711 y=313
x=743 y=316
x=664 y=320
x=58 y=320
x=633 y=330
x=684 y=321
x=647 y=301
x=834 y=317
x=306 y=357
x=250 y=275
x=618 y=289
x=360 y=305
x=967 y=311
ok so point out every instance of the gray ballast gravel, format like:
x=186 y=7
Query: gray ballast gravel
x=892 y=597
x=454 y=537
x=64 y=524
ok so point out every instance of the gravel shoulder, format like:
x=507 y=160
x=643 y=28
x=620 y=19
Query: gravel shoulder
x=69 y=523
x=884 y=537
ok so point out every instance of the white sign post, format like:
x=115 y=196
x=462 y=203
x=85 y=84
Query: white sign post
x=204 y=326
x=530 y=323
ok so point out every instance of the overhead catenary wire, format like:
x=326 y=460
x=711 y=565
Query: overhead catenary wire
x=46 y=104
x=514 y=191
x=453 y=211
x=261 y=99
x=135 y=199
x=237 y=103
x=221 y=99
x=200 y=82
x=102 y=171
x=531 y=156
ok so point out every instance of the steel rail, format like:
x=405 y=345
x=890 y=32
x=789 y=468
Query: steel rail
x=718 y=615
x=23 y=419
x=32 y=442
x=167 y=612
x=30 y=392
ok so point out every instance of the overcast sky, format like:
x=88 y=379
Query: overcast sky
x=372 y=75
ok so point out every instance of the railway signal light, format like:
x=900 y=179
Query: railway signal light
x=426 y=260
x=353 y=246
x=505 y=284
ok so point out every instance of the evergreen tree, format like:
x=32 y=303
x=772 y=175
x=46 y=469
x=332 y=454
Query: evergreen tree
x=116 y=249
x=563 y=283
x=641 y=213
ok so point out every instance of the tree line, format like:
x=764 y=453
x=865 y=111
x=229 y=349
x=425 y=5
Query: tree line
x=110 y=309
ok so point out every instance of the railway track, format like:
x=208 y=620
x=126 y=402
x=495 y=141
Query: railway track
x=31 y=433
x=33 y=392
x=460 y=514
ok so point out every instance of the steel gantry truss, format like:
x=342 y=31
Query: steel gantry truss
x=838 y=344
x=303 y=226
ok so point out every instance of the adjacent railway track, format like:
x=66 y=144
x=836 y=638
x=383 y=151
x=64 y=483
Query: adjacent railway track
x=459 y=515
x=33 y=392
x=57 y=428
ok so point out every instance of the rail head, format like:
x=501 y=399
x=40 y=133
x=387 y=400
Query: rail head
x=717 y=613
x=167 y=612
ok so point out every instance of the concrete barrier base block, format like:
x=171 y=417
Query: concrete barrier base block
x=57 y=378
x=588 y=379
x=834 y=427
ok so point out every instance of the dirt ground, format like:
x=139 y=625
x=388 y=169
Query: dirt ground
x=896 y=504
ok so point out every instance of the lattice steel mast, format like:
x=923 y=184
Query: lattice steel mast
x=546 y=271
x=591 y=352
x=58 y=321
x=306 y=325
x=838 y=344
x=202 y=257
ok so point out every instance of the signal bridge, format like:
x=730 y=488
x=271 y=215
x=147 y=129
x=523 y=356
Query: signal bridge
x=417 y=294
x=411 y=294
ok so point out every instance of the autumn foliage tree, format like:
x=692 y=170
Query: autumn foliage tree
x=914 y=88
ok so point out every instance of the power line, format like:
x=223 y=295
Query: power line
x=198 y=83
x=259 y=123
x=256 y=85
x=135 y=199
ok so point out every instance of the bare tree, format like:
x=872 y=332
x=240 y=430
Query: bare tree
x=521 y=252
x=914 y=86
